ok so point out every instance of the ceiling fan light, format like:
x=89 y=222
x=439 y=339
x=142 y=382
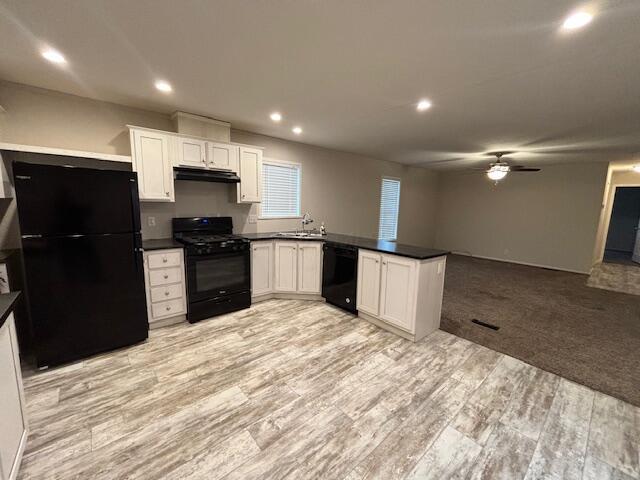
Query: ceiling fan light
x=497 y=172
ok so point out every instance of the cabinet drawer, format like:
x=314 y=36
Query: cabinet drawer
x=165 y=276
x=168 y=292
x=164 y=259
x=168 y=309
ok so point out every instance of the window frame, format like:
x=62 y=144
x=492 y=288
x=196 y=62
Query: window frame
x=288 y=163
x=395 y=179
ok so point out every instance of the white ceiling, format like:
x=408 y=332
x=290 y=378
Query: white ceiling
x=500 y=74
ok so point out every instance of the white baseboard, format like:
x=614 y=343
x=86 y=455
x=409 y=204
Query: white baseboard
x=549 y=267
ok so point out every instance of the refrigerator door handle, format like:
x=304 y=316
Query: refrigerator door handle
x=137 y=251
x=135 y=203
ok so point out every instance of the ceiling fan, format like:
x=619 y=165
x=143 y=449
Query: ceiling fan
x=500 y=168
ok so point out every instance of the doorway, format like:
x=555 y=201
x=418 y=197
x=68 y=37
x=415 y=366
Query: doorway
x=623 y=236
x=620 y=266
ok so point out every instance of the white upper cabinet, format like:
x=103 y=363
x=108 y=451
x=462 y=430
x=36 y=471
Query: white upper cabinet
x=154 y=153
x=250 y=186
x=368 y=294
x=222 y=156
x=261 y=268
x=309 y=267
x=397 y=291
x=191 y=152
x=286 y=269
x=151 y=159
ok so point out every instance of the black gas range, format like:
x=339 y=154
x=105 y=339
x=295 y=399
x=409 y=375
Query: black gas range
x=218 y=266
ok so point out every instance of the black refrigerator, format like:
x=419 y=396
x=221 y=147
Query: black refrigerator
x=81 y=247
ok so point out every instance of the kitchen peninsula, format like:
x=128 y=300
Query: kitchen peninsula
x=399 y=287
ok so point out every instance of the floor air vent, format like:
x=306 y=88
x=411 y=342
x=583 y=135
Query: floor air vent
x=485 y=324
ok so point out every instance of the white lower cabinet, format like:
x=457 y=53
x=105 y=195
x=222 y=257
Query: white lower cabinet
x=368 y=292
x=402 y=292
x=309 y=267
x=261 y=268
x=13 y=418
x=165 y=285
x=286 y=267
x=397 y=291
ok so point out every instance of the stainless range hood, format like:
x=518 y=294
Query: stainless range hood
x=201 y=175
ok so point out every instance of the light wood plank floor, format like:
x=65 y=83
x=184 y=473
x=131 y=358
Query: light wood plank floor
x=296 y=390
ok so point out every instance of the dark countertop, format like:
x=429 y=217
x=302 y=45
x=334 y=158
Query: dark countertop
x=411 y=251
x=5 y=254
x=7 y=302
x=160 y=244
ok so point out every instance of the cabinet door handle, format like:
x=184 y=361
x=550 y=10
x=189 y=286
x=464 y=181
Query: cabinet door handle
x=168 y=308
x=166 y=294
x=164 y=260
x=167 y=193
x=243 y=195
x=166 y=276
x=377 y=261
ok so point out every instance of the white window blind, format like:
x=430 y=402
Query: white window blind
x=280 y=189
x=389 y=208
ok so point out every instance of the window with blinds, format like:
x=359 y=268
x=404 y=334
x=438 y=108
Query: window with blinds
x=280 y=189
x=389 y=209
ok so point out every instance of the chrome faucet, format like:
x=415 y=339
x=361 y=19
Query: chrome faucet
x=306 y=220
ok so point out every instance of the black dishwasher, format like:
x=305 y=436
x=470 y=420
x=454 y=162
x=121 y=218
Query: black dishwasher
x=339 y=275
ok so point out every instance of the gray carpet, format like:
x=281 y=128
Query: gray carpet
x=549 y=319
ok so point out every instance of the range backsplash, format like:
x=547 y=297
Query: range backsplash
x=196 y=199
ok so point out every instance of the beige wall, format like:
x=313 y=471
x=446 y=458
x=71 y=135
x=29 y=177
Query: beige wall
x=34 y=116
x=338 y=188
x=547 y=218
x=343 y=190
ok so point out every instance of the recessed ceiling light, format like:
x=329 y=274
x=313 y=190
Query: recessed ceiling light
x=163 y=86
x=577 y=20
x=297 y=130
x=636 y=168
x=276 y=116
x=423 y=105
x=53 y=56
